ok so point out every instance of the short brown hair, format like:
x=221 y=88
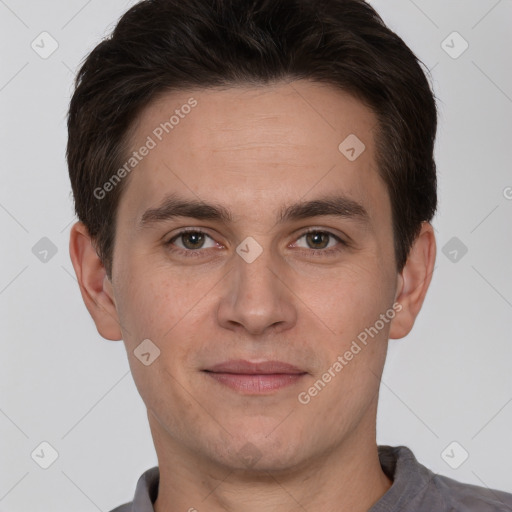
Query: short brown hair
x=166 y=45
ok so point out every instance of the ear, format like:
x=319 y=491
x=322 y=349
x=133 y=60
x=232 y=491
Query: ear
x=413 y=281
x=95 y=287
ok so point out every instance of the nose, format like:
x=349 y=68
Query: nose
x=257 y=296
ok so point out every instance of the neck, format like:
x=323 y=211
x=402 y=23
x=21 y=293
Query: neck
x=348 y=478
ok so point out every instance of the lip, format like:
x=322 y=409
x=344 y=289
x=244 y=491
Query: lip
x=255 y=378
x=241 y=366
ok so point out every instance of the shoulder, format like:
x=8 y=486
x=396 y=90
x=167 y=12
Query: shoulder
x=415 y=487
x=461 y=497
x=145 y=495
x=127 y=507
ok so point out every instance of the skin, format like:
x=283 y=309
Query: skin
x=254 y=150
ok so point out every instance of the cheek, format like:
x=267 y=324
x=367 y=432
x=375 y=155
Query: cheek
x=158 y=307
x=348 y=299
x=171 y=312
x=152 y=300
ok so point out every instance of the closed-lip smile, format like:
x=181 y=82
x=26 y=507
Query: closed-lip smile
x=255 y=378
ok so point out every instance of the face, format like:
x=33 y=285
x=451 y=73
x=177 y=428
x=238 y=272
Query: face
x=246 y=233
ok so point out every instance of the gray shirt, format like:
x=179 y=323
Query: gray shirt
x=415 y=489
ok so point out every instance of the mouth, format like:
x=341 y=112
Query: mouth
x=255 y=378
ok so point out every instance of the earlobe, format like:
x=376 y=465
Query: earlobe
x=95 y=287
x=414 y=280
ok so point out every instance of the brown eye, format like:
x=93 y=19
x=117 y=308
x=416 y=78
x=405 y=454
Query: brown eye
x=190 y=241
x=193 y=240
x=318 y=239
x=320 y=243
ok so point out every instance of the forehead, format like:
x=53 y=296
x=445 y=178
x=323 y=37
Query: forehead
x=253 y=145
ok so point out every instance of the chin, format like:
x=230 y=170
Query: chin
x=259 y=450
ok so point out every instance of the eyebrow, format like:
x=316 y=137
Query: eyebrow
x=174 y=206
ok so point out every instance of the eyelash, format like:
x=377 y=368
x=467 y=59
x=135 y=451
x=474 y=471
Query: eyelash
x=310 y=252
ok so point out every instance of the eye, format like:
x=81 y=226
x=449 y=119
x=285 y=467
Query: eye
x=321 y=242
x=191 y=240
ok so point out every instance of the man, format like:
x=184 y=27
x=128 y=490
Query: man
x=255 y=183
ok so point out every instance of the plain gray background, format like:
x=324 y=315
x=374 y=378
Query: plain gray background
x=448 y=382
